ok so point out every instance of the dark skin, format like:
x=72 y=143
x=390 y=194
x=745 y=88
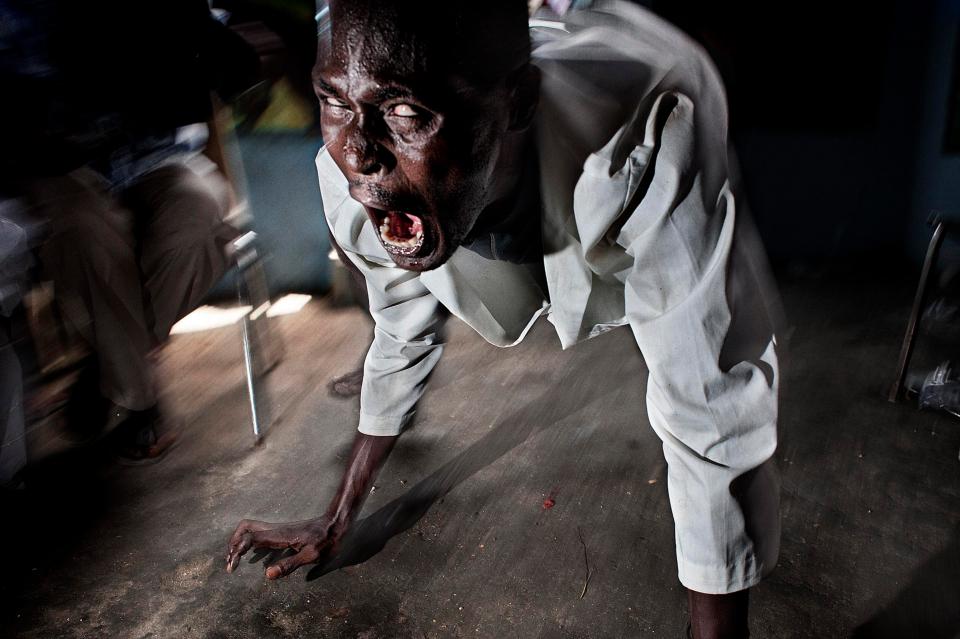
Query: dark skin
x=718 y=616
x=406 y=138
x=415 y=138
x=315 y=538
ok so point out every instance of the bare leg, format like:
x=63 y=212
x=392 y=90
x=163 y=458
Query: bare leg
x=719 y=616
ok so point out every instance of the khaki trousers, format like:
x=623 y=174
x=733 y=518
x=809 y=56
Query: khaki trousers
x=126 y=266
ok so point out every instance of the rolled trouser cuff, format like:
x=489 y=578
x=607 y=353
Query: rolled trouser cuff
x=721 y=579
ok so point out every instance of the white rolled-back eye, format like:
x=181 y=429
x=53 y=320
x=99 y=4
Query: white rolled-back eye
x=403 y=111
x=334 y=102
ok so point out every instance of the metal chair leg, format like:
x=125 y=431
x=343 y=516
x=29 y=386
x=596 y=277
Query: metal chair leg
x=261 y=351
x=906 y=350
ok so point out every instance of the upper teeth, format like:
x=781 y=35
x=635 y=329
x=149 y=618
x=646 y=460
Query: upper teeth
x=405 y=243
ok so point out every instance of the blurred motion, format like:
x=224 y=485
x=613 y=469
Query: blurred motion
x=197 y=338
x=577 y=167
x=127 y=217
x=15 y=262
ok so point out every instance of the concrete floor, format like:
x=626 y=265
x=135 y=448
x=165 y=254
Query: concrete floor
x=455 y=541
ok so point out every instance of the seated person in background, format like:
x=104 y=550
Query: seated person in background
x=15 y=262
x=105 y=140
x=589 y=180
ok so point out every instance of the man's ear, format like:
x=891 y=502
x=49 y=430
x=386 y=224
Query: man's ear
x=525 y=96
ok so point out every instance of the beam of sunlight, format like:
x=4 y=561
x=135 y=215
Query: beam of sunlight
x=288 y=304
x=209 y=317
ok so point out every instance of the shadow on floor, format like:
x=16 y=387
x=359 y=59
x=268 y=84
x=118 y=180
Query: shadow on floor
x=929 y=606
x=369 y=535
x=42 y=524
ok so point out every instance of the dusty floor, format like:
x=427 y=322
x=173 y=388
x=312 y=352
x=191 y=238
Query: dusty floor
x=455 y=541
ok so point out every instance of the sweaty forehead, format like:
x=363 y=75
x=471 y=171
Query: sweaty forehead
x=376 y=42
x=380 y=41
x=421 y=39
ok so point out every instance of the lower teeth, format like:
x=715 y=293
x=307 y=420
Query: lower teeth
x=407 y=245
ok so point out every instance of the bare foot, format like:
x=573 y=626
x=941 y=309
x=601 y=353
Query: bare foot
x=347 y=385
x=145 y=438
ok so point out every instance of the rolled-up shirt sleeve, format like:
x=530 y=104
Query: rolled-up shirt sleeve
x=407 y=344
x=408 y=337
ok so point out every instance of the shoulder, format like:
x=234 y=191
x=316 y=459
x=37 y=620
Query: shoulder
x=616 y=31
x=602 y=66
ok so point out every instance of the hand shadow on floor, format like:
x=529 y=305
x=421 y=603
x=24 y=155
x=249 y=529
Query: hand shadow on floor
x=368 y=536
x=928 y=607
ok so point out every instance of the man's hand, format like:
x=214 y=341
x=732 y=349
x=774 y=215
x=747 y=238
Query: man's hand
x=311 y=539
x=315 y=538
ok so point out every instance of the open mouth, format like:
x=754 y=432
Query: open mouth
x=401 y=233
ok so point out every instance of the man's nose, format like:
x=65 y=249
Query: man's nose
x=363 y=154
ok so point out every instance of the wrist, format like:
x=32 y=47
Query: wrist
x=342 y=512
x=338 y=518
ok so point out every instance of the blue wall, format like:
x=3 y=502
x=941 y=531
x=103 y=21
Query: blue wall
x=287 y=209
x=937 y=173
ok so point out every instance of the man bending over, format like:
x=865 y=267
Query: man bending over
x=579 y=169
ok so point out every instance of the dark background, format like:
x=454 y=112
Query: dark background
x=840 y=114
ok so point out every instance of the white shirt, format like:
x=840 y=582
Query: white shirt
x=642 y=224
x=639 y=219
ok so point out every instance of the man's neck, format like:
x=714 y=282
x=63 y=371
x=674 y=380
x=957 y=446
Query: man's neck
x=509 y=228
x=515 y=166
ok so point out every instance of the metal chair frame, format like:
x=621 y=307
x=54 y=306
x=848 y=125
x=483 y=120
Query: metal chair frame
x=919 y=299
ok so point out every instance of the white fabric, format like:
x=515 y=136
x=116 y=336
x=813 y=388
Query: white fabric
x=641 y=226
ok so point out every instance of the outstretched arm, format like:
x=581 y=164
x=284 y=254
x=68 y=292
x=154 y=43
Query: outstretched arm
x=314 y=538
x=407 y=344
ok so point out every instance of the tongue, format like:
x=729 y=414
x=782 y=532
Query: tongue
x=404 y=225
x=416 y=224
